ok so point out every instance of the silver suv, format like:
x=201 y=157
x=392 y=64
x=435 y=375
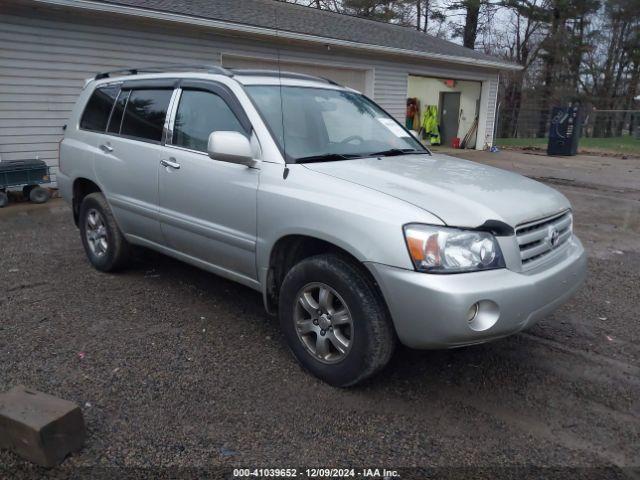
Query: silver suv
x=354 y=233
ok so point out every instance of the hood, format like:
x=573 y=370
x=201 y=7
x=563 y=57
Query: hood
x=461 y=193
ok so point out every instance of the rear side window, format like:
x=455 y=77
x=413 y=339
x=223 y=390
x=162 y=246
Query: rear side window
x=96 y=113
x=200 y=113
x=145 y=113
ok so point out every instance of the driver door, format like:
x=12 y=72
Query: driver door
x=208 y=207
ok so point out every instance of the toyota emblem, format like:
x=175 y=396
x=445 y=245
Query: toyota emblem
x=553 y=236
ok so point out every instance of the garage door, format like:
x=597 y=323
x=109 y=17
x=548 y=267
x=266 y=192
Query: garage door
x=355 y=79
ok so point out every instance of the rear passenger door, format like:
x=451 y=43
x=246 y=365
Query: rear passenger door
x=128 y=155
x=208 y=207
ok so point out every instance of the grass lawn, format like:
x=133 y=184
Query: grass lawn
x=625 y=145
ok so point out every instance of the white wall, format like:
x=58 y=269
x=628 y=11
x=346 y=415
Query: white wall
x=428 y=91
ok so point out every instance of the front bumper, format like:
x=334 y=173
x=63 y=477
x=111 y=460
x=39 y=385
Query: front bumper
x=432 y=311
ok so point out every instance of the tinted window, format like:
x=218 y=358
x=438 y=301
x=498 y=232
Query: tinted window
x=96 y=113
x=118 y=110
x=145 y=114
x=200 y=113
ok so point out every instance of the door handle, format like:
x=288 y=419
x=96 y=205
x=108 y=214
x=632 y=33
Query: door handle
x=171 y=163
x=106 y=148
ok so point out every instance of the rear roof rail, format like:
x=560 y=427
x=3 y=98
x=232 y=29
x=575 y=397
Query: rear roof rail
x=215 y=69
x=277 y=73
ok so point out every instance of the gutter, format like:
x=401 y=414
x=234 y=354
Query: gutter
x=269 y=32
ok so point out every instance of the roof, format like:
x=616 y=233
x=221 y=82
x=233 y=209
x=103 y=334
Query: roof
x=309 y=22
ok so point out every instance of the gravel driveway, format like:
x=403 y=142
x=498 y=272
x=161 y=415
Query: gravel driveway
x=177 y=367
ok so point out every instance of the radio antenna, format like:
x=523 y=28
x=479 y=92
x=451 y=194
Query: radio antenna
x=284 y=142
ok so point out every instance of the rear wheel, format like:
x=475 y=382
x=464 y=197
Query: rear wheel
x=334 y=320
x=38 y=195
x=103 y=242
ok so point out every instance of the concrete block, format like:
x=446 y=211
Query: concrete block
x=38 y=427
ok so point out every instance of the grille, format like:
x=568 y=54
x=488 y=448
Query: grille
x=539 y=238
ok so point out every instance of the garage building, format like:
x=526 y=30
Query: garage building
x=49 y=47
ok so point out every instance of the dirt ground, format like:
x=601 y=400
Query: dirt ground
x=175 y=367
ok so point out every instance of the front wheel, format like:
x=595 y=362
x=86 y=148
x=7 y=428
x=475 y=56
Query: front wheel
x=103 y=242
x=334 y=320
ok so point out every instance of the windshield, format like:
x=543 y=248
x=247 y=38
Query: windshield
x=317 y=124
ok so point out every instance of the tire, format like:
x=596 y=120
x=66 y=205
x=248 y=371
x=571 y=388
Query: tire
x=4 y=199
x=26 y=190
x=366 y=344
x=38 y=195
x=114 y=252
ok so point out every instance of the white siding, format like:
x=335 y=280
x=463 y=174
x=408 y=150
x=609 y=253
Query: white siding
x=45 y=55
x=492 y=105
x=43 y=65
x=390 y=90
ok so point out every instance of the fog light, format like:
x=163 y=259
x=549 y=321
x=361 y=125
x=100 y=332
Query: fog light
x=473 y=311
x=483 y=315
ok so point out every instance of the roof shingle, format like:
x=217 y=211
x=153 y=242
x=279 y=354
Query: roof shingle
x=294 y=18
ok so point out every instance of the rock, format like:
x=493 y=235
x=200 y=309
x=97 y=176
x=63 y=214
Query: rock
x=39 y=427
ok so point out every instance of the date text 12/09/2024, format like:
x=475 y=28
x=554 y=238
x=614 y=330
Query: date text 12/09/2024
x=381 y=473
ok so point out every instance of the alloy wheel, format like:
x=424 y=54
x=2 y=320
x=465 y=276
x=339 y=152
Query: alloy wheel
x=96 y=233
x=323 y=322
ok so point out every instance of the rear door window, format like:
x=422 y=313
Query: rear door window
x=96 y=113
x=145 y=113
x=199 y=114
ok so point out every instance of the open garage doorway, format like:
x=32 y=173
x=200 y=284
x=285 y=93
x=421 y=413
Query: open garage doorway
x=444 y=111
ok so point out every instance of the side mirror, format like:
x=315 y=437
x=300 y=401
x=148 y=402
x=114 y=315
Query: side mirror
x=232 y=147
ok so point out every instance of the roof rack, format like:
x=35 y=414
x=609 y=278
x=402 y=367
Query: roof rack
x=277 y=73
x=216 y=69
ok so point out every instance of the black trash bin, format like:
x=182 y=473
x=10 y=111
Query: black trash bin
x=565 y=130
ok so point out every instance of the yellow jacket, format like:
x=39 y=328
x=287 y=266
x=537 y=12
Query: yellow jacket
x=430 y=124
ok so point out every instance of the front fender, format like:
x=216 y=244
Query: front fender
x=364 y=222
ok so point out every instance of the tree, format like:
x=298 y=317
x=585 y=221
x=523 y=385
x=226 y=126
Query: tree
x=470 y=12
x=470 y=32
x=560 y=45
x=519 y=42
x=612 y=70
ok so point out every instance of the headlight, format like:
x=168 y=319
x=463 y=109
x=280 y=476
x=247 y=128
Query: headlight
x=451 y=250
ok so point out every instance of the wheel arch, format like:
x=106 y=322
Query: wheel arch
x=290 y=249
x=81 y=188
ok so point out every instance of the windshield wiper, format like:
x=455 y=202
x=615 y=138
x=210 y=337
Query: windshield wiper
x=394 y=152
x=327 y=157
